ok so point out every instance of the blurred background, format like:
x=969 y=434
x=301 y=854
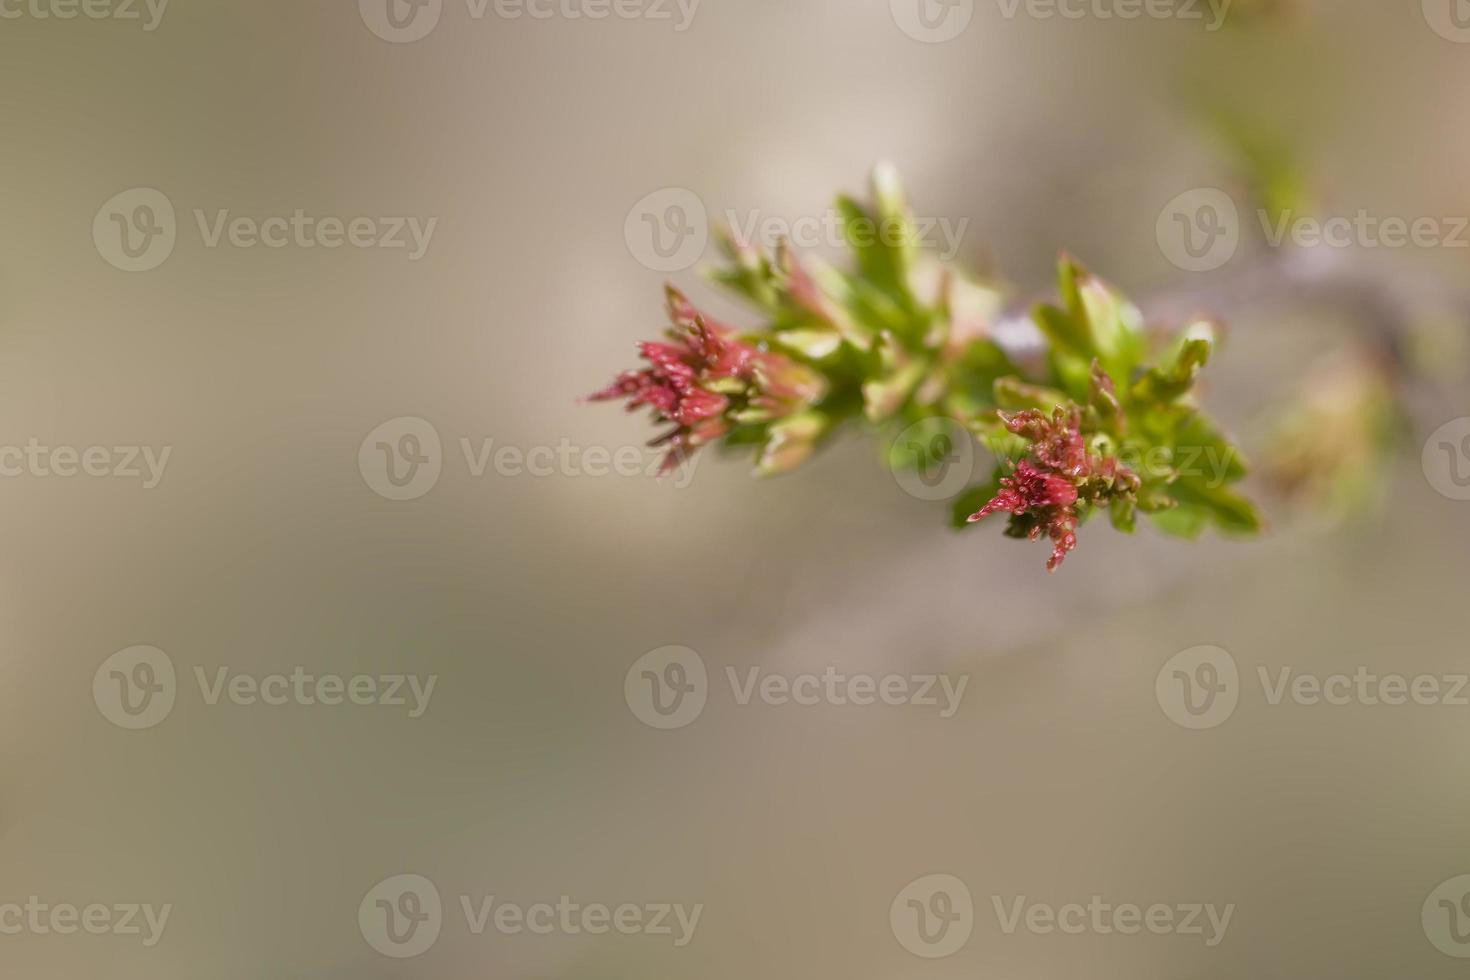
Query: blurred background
x=528 y=145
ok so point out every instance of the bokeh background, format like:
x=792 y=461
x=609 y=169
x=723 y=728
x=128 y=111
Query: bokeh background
x=264 y=548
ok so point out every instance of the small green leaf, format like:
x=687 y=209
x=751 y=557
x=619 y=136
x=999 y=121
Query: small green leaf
x=1167 y=384
x=1123 y=513
x=813 y=344
x=791 y=442
x=1181 y=522
x=883 y=397
x=1201 y=449
x=1015 y=395
x=1114 y=326
x=1062 y=329
x=975 y=372
x=881 y=259
x=1103 y=400
x=750 y=274
x=823 y=292
x=1074 y=372
x=894 y=217
x=1155 y=500
x=1232 y=513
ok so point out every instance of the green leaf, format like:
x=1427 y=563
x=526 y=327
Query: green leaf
x=1169 y=383
x=879 y=311
x=1063 y=330
x=880 y=260
x=1103 y=401
x=750 y=274
x=1114 y=325
x=823 y=292
x=883 y=397
x=813 y=344
x=894 y=216
x=1092 y=323
x=1174 y=377
x=1232 y=513
x=1200 y=448
x=791 y=442
x=1015 y=395
x=1154 y=500
x=975 y=372
x=1181 y=522
x=1123 y=513
x=1074 y=372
